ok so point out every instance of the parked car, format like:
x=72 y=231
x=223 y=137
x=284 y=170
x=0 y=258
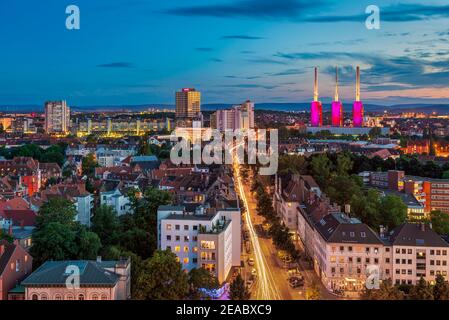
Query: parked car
x=296 y=281
x=254 y=272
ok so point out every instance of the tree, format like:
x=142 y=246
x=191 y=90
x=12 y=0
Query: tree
x=89 y=164
x=375 y=132
x=421 y=291
x=53 y=241
x=139 y=230
x=386 y=291
x=393 y=211
x=441 y=288
x=294 y=164
x=344 y=164
x=88 y=244
x=200 y=278
x=106 y=225
x=321 y=169
x=440 y=222
x=366 y=208
x=56 y=210
x=445 y=175
x=238 y=289
x=161 y=278
x=59 y=237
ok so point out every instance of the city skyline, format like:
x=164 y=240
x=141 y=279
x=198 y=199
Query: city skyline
x=141 y=52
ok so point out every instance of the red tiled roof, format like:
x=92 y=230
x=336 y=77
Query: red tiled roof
x=24 y=218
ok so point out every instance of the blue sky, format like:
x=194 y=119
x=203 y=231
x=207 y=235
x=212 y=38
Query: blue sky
x=142 y=51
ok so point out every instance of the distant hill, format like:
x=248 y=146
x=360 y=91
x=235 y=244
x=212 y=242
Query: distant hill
x=427 y=108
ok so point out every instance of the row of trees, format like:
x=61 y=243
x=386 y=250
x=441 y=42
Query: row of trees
x=54 y=153
x=336 y=176
x=278 y=231
x=421 y=291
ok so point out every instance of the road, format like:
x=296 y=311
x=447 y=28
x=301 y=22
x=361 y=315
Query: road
x=266 y=285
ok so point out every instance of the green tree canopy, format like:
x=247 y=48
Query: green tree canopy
x=238 y=289
x=162 y=278
x=440 y=222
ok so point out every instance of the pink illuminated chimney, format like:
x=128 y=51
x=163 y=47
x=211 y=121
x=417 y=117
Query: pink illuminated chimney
x=316 y=109
x=337 y=107
x=357 y=110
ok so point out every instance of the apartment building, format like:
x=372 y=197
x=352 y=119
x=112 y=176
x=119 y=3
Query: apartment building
x=207 y=238
x=344 y=250
x=57 y=117
x=416 y=251
x=432 y=194
x=239 y=117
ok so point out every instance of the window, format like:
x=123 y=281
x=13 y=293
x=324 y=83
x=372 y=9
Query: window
x=332 y=270
x=387 y=271
x=444 y=252
x=44 y=297
x=367 y=249
x=177 y=248
x=398 y=261
x=69 y=297
x=398 y=250
x=398 y=271
x=432 y=252
x=409 y=251
x=168 y=227
x=363 y=234
x=403 y=251
x=195 y=260
x=350 y=249
x=34 y=297
x=387 y=260
x=195 y=238
x=81 y=297
x=177 y=227
x=409 y=261
x=387 y=249
x=342 y=248
x=186 y=249
x=352 y=234
x=207 y=244
x=104 y=297
x=58 y=297
x=438 y=252
x=186 y=227
x=178 y=238
x=17 y=265
x=186 y=238
x=94 y=297
x=168 y=238
x=367 y=260
x=186 y=260
x=195 y=228
x=409 y=272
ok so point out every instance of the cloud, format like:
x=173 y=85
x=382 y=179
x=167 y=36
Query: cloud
x=122 y=65
x=256 y=9
x=251 y=86
x=241 y=37
x=395 y=13
x=288 y=72
x=266 y=61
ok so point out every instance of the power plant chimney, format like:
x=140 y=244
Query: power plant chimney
x=357 y=110
x=337 y=106
x=316 y=109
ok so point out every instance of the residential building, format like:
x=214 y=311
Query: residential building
x=99 y=280
x=15 y=265
x=239 y=117
x=432 y=194
x=117 y=199
x=27 y=169
x=57 y=117
x=209 y=239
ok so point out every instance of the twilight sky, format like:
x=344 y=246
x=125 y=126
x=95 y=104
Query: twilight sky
x=142 y=51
